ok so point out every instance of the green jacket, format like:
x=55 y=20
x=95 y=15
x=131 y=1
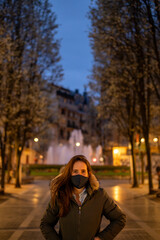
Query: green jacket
x=83 y=223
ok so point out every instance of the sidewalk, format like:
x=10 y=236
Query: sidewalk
x=142 y=210
x=10 y=190
x=20 y=215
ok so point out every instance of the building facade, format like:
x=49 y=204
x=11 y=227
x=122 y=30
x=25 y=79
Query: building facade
x=71 y=110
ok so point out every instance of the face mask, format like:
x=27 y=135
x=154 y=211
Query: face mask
x=79 y=181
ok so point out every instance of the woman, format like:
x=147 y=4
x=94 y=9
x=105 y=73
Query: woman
x=78 y=204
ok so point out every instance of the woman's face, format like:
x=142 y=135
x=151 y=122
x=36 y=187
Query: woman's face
x=80 y=168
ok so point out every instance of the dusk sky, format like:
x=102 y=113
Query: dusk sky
x=75 y=50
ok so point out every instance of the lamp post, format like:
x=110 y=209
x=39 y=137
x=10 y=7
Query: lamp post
x=77 y=145
x=36 y=140
x=156 y=143
x=116 y=154
x=142 y=150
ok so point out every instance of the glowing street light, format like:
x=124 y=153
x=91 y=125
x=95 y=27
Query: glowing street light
x=115 y=151
x=78 y=144
x=36 y=139
x=101 y=159
x=142 y=140
x=155 y=139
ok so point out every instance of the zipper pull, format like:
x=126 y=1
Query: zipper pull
x=79 y=210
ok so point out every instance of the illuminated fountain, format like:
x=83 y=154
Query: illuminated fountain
x=62 y=153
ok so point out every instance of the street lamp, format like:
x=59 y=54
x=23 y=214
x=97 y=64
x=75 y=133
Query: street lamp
x=115 y=151
x=36 y=139
x=142 y=140
x=116 y=155
x=155 y=139
x=156 y=143
x=78 y=144
x=101 y=159
x=94 y=160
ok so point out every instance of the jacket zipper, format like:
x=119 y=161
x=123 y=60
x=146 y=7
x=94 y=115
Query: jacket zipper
x=79 y=211
x=79 y=215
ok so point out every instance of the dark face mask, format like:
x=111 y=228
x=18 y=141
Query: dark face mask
x=79 y=181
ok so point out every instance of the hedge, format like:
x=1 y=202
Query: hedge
x=94 y=167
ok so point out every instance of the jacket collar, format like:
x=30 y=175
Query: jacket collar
x=93 y=184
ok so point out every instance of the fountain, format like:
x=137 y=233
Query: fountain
x=62 y=153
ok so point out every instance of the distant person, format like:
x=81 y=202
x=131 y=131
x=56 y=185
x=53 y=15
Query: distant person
x=147 y=168
x=158 y=173
x=36 y=160
x=78 y=204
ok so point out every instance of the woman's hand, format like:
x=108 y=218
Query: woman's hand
x=97 y=238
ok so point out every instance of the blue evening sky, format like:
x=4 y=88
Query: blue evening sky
x=75 y=50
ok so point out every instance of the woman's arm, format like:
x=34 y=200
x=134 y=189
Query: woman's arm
x=117 y=219
x=48 y=222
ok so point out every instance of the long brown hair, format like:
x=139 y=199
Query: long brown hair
x=61 y=186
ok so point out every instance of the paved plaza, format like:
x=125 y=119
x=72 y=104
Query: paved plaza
x=22 y=209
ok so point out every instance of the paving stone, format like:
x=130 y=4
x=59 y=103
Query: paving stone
x=22 y=212
x=35 y=235
x=5 y=235
x=134 y=235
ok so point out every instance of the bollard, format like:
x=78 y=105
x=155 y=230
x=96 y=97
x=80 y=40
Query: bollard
x=158 y=174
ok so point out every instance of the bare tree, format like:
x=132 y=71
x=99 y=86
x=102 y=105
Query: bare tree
x=31 y=65
x=124 y=53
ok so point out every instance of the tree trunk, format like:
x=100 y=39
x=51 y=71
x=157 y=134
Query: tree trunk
x=3 y=140
x=2 y=190
x=135 y=181
x=18 y=161
x=9 y=166
x=142 y=167
x=150 y=183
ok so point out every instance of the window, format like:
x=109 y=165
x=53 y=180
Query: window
x=63 y=111
x=68 y=135
x=61 y=133
x=27 y=159
x=68 y=123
